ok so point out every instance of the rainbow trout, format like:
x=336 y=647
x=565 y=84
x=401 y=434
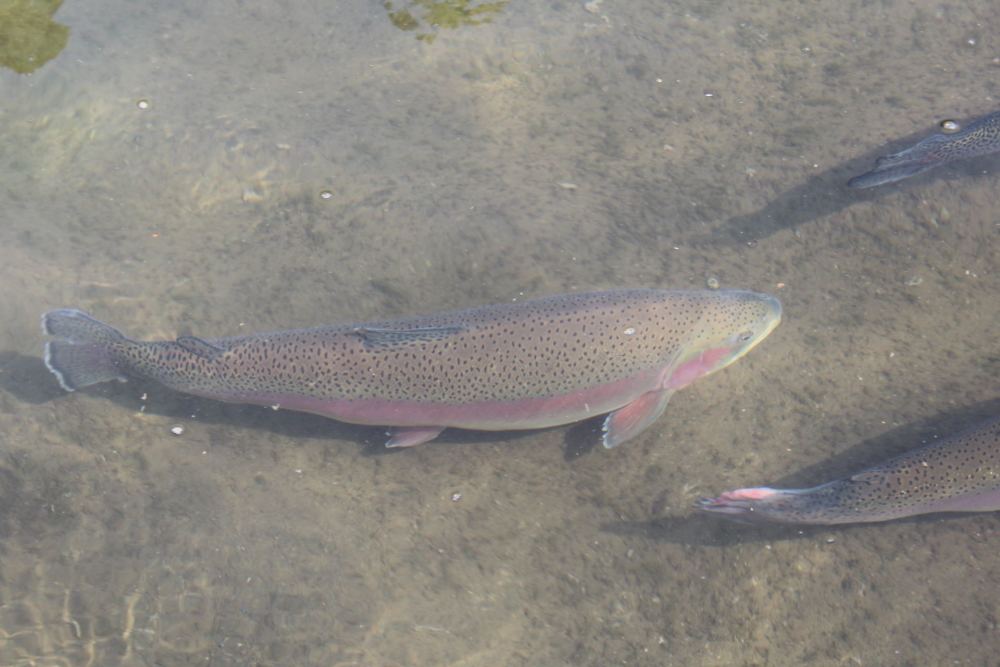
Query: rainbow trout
x=524 y=365
x=980 y=137
x=958 y=474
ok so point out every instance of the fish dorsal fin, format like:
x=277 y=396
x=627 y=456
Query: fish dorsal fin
x=869 y=476
x=200 y=347
x=378 y=337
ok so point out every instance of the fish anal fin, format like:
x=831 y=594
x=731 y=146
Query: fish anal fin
x=200 y=347
x=632 y=419
x=411 y=436
x=379 y=337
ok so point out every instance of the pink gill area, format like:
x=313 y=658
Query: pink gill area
x=689 y=371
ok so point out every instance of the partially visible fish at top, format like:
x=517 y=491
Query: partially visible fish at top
x=957 y=474
x=522 y=365
x=980 y=137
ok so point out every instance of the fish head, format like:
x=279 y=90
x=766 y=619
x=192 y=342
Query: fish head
x=732 y=323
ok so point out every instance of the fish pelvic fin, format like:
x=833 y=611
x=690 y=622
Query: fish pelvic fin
x=83 y=356
x=632 y=419
x=411 y=436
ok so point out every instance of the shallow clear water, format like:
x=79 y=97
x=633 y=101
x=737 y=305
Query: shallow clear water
x=165 y=172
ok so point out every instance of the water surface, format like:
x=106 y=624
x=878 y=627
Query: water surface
x=166 y=171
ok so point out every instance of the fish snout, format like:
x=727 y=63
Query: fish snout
x=765 y=317
x=774 y=313
x=775 y=305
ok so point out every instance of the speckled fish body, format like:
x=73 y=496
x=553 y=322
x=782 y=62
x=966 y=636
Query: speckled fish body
x=521 y=365
x=981 y=137
x=958 y=474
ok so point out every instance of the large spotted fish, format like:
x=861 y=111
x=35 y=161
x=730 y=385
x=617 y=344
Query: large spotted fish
x=958 y=474
x=525 y=365
x=980 y=137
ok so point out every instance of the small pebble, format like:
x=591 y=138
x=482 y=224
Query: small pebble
x=142 y=104
x=913 y=281
x=251 y=196
x=455 y=497
x=326 y=194
x=568 y=186
x=712 y=282
x=949 y=126
x=177 y=430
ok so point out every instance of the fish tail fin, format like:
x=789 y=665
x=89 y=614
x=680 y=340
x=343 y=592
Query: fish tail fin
x=881 y=176
x=764 y=504
x=889 y=174
x=83 y=356
x=910 y=162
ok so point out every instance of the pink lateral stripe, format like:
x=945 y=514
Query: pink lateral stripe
x=540 y=412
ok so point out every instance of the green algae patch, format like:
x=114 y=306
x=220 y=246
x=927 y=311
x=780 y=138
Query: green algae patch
x=428 y=16
x=29 y=37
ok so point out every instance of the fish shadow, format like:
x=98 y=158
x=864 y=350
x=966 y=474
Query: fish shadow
x=704 y=530
x=826 y=193
x=27 y=379
x=582 y=438
x=713 y=531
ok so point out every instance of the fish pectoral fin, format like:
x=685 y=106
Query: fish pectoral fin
x=411 y=436
x=375 y=337
x=632 y=419
x=200 y=347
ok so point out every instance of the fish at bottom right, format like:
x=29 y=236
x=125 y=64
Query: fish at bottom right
x=960 y=473
x=980 y=137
